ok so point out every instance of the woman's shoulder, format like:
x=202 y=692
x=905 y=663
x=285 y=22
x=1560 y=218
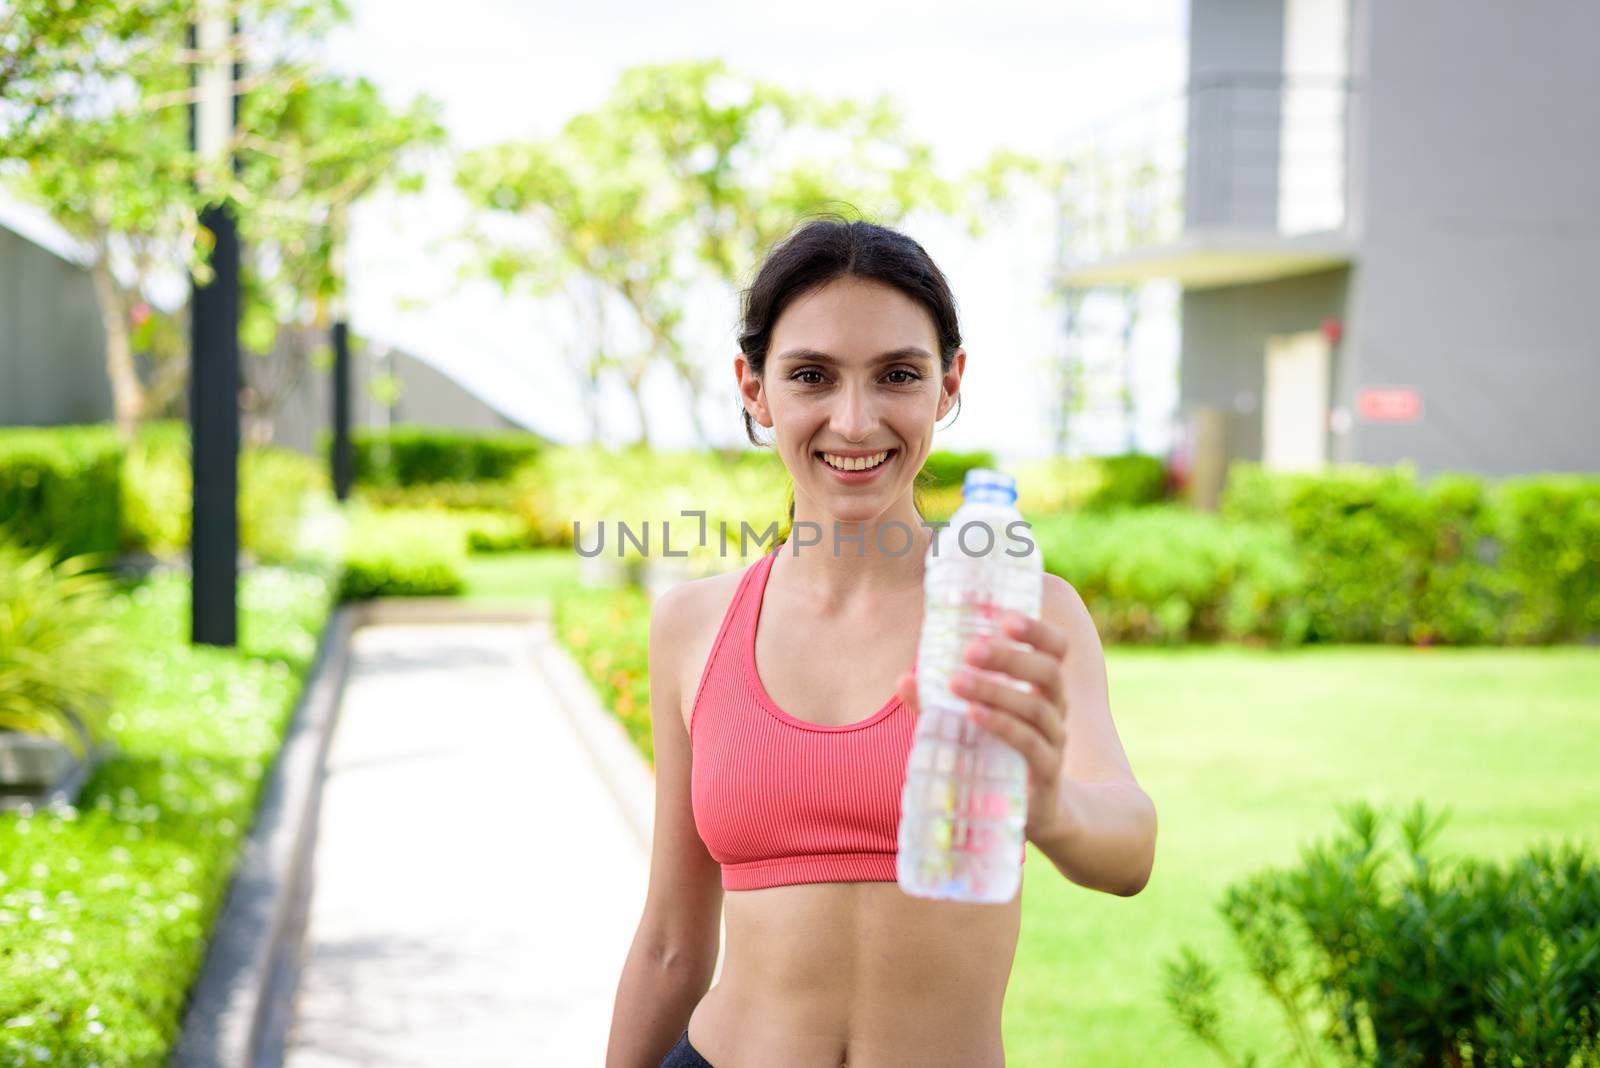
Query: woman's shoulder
x=685 y=619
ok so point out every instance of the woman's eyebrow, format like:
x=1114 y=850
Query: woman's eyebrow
x=907 y=352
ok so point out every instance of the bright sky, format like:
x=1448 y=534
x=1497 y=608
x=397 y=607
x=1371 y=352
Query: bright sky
x=1029 y=75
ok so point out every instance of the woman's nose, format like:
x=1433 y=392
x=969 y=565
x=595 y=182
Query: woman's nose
x=853 y=416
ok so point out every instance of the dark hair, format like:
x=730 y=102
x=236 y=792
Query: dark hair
x=825 y=249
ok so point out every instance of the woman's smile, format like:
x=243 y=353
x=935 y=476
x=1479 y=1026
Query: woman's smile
x=855 y=466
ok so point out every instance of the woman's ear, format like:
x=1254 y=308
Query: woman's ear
x=950 y=383
x=750 y=391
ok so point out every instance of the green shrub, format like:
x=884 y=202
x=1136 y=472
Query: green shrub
x=157 y=493
x=409 y=455
x=60 y=486
x=391 y=554
x=1549 y=551
x=277 y=487
x=638 y=486
x=58 y=657
x=460 y=496
x=1171 y=575
x=944 y=469
x=1404 y=958
x=1457 y=560
x=608 y=633
x=1089 y=483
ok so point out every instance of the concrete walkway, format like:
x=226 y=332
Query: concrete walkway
x=475 y=884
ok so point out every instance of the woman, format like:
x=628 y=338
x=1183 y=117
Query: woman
x=779 y=762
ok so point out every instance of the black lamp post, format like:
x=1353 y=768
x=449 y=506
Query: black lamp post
x=214 y=352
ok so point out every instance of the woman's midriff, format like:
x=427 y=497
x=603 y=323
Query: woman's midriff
x=819 y=975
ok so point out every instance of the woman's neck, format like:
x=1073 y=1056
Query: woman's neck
x=837 y=562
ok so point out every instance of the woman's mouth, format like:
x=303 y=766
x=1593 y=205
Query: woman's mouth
x=861 y=467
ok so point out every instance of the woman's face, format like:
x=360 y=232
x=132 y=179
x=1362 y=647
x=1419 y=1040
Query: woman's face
x=852 y=389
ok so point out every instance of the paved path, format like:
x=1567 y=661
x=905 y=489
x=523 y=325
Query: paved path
x=476 y=886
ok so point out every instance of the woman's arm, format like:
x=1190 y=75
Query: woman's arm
x=1104 y=836
x=674 y=953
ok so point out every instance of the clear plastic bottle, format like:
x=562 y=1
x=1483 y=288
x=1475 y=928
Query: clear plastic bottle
x=965 y=799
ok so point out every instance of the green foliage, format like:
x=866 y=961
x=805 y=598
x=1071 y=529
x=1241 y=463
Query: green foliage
x=406 y=455
x=1089 y=483
x=317 y=143
x=1171 y=575
x=402 y=554
x=608 y=633
x=58 y=658
x=943 y=468
x=445 y=496
x=277 y=488
x=106 y=907
x=1456 y=560
x=1403 y=958
x=685 y=174
x=60 y=486
x=637 y=486
x=157 y=489
x=1549 y=546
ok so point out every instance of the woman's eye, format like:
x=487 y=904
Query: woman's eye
x=910 y=376
x=800 y=376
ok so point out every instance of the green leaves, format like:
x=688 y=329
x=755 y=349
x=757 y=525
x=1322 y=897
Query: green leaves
x=58 y=660
x=1392 y=956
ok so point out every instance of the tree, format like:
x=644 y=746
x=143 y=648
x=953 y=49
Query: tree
x=309 y=150
x=607 y=218
x=59 y=55
x=685 y=174
x=100 y=139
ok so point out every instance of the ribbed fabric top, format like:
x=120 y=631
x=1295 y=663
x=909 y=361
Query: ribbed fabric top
x=780 y=800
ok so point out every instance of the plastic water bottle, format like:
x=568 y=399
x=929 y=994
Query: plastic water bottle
x=965 y=799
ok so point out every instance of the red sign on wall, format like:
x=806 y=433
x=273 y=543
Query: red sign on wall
x=1389 y=404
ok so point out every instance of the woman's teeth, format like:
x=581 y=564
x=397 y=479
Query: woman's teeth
x=855 y=463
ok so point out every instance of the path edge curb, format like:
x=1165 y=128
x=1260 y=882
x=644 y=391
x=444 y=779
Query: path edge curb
x=229 y=1019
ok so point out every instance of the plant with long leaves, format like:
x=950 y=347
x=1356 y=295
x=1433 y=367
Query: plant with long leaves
x=59 y=663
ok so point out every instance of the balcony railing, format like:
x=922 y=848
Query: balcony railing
x=1249 y=155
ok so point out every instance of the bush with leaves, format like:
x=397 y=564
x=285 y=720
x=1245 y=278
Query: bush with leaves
x=59 y=486
x=1458 y=560
x=1170 y=575
x=1401 y=958
x=1089 y=483
x=58 y=660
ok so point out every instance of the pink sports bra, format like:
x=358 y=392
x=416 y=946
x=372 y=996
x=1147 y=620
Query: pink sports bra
x=780 y=800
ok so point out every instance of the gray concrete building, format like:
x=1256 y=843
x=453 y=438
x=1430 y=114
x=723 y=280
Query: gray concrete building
x=1385 y=218
x=52 y=344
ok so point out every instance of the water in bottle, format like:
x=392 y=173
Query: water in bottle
x=965 y=797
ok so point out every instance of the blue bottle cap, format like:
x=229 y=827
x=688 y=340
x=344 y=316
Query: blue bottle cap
x=988 y=485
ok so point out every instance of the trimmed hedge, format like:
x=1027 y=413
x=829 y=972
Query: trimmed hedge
x=410 y=455
x=1458 y=560
x=61 y=486
x=403 y=554
x=1171 y=575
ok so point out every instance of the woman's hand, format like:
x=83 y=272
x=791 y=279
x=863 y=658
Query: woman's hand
x=1028 y=714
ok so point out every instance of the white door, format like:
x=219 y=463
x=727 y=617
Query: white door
x=1294 y=413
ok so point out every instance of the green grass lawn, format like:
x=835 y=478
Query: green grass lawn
x=1248 y=754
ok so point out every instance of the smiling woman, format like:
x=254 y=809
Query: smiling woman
x=783 y=709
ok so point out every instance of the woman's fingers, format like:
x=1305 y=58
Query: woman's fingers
x=1019 y=661
x=1025 y=705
